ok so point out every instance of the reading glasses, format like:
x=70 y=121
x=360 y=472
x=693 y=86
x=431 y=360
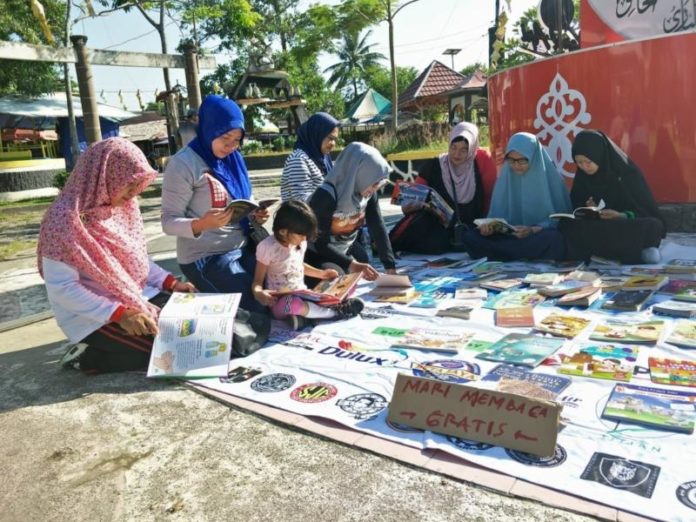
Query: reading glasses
x=518 y=161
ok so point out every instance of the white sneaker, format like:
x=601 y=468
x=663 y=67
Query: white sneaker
x=71 y=358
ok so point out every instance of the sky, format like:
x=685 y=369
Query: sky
x=423 y=30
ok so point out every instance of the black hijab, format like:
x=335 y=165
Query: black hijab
x=619 y=181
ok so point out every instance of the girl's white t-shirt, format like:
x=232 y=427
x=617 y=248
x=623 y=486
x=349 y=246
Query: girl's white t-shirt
x=285 y=264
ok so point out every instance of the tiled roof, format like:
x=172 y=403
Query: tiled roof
x=435 y=79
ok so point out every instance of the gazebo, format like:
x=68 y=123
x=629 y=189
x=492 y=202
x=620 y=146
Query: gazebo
x=431 y=88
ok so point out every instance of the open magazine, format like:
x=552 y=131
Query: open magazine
x=328 y=292
x=582 y=212
x=241 y=208
x=406 y=193
x=195 y=337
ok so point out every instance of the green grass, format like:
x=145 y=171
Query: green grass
x=47 y=200
x=11 y=249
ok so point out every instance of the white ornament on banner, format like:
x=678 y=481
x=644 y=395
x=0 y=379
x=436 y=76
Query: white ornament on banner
x=559 y=115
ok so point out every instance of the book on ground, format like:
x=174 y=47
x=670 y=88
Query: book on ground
x=608 y=282
x=562 y=325
x=675 y=308
x=583 y=275
x=513 y=379
x=672 y=371
x=241 y=208
x=670 y=410
x=601 y=361
x=626 y=331
x=683 y=334
x=195 y=336
x=433 y=339
x=628 y=301
x=544 y=279
x=514 y=299
x=499 y=225
x=519 y=317
x=640 y=283
x=521 y=349
x=681 y=266
x=677 y=285
x=460 y=312
x=470 y=294
x=566 y=287
x=687 y=294
x=501 y=284
x=584 y=297
x=328 y=292
x=390 y=285
x=581 y=212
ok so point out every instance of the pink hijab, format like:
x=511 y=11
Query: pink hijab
x=463 y=175
x=103 y=243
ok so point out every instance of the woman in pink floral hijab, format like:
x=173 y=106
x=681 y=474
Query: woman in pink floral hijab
x=92 y=254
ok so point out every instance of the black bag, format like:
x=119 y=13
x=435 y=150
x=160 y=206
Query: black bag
x=249 y=332
x=420 y=232
x=257 y=233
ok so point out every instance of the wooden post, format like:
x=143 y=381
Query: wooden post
x=85 y=82
x=192 y=84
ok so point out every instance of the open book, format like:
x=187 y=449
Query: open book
x=241 y=208
x=405 y=193
x=195 y=337
x=391 y=285
x=328 y=292
x=500 y=226
x=582 y=212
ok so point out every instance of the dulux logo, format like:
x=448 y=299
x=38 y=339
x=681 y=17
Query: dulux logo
x=357 y=356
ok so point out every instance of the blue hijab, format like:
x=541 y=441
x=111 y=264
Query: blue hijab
x=528 y=199
x=310 y=135
x=218 y=116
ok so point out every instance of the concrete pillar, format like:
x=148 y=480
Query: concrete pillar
x=88 y=97
x=192 y=84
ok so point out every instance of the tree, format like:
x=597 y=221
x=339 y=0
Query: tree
x=355 y=57
x=17 y=23
x=472 y=68
x=379 y=78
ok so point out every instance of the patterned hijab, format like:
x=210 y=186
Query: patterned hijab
x=310 y=135
x=462 y=176
x=528 y=199
x=104 y=243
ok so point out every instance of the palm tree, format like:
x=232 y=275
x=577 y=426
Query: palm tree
x=355 y=58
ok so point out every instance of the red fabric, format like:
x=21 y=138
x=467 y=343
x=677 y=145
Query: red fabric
x=82 y=229
x=118 y=313
x=169 y=283
x=488 y=173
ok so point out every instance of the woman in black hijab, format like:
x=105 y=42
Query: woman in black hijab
x=630 y=228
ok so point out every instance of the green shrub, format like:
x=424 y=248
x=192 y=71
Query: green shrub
x=60 y=179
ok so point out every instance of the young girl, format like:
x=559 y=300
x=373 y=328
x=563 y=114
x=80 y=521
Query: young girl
x=280 y=262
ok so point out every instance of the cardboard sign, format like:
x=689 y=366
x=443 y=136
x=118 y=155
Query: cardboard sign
x=503 y=419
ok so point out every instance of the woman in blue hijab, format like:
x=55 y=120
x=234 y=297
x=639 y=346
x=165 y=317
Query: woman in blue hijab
x=528 y=189
x=199 y=183
x=310 y=162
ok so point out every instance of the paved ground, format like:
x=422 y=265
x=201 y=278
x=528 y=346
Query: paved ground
x=120 y=447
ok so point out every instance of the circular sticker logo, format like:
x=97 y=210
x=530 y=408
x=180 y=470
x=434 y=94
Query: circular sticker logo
x=468 y=444
x=274 y=382
x=686 y=493
x=559 y=456
x=448 y=370
x=363 y=405
x=314 y=392
x=396 y=426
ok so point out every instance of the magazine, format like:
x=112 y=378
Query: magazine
x=684 y=334
x=582 y=212
x=241 y=208
x=669 y=410
x=522 y=349
x=562 y=325
x=433 y=339
x=675 y=308
x=328 y=292
x=512 y=379
x=601 y=361
x=499 y=225
x=405 y=193
x=672 y=371
x=615 y=330
x=195 y=336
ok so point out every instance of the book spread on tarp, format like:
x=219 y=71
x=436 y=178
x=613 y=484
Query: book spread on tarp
x=582 y=212
x=628 y=331
x=513 y=379
x=195 y=336
x=601 y=361
x=241 y=208
x=683 y=334
x=562 y=325
x=672 y=371
x=522 y=349
x=328 y=292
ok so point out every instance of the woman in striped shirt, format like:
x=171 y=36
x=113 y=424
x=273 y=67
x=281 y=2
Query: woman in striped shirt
x=310 y=162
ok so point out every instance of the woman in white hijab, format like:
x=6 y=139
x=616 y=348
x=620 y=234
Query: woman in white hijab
x=343 y=203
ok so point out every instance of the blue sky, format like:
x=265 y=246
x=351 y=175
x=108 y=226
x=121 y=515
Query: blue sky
x=423 y=30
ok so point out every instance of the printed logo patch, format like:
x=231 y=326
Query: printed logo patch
x=686 y=493
x=619 y=473
x=314 y=392
x=275 y=382
x=240 y=374
x=559 y=457
x=448 y=370
x=363 y=406
x=466 y=444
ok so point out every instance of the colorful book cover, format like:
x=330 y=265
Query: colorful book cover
x=514 y=299
x=626 y=331
x=566 y=287
x=522 y=349
x=512 y=379
x=602 y=361
x=610 y=282
x=584 y=297
x=514 y=317
x=684 y=334
x=677 y=285
x=562 y=325
x=468 y=294
x=652 y=407
x=635 y=283
x=672 y=371
x=433 y=339
x=628 y=300
x=502 y=284
x=545 y=279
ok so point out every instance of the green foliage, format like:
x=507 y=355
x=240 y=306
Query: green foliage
x=355 y=57
x=379 y=78
x=60 y=179
x=17 y=23
x=473 y=67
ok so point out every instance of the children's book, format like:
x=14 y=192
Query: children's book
x=688 y=294
x=626 y=331
x=499 y=225
x=684 y=334
x=681 y=266
x=241 y=208
x=566 y=287
x=459 y=312
x=669 y=410
x=502 y=284
x=562 y=325
x=544 y=279
x=584 y=297
x=520 y=317
x=514 y=299
x=675 y=308
x=521 y=349
x=672 y=371
x=601 y=361
x=582 y=212
x=642 y=283
x=328 y=292
x=405 y=193
x=433 y=339
x=632 y=301
x=513 y=379
x=195 y=336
